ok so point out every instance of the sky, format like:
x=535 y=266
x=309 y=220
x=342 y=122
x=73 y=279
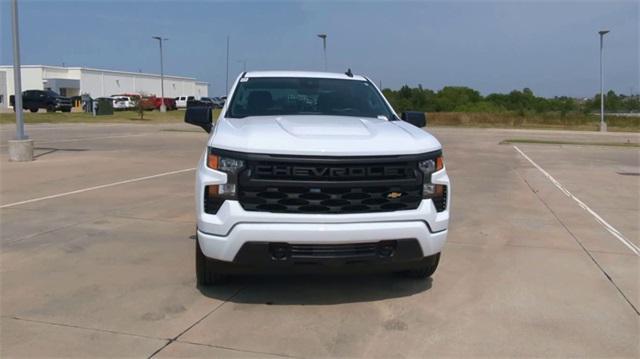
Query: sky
x=551 y=47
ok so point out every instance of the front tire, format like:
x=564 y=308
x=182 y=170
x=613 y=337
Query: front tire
x=425 y=270
x=205 y=273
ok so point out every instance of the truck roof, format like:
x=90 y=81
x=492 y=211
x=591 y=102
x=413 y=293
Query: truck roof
x=311 y=74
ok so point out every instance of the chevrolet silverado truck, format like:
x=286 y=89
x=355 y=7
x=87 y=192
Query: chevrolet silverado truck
x=315 y=172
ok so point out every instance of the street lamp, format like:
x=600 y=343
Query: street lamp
x=226 y=84
x=324 y=48
x=20 y=149
x=163 y=107
x=603 y=125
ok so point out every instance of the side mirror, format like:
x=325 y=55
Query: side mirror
x=416 y=118
x=199 y=116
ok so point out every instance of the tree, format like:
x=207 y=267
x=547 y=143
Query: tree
x=140 y=108
x=465 y=99
x=451 y=97
x=612 y=102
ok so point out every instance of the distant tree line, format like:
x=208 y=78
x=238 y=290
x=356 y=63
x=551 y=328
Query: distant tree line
x=464 y=99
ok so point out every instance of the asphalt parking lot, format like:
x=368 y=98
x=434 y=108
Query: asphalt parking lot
x=108 y=269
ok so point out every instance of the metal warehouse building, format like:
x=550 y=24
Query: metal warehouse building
x=73 y=81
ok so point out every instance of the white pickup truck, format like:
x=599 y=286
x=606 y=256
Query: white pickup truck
x=181 y=101
x=315 y=172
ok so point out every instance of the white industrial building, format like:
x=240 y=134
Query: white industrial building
x=74 y=81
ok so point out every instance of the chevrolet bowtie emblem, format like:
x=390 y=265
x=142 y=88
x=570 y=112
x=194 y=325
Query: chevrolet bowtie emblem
x=394 y=195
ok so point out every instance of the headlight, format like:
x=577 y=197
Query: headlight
x=215 y=195
x=436 y=192
x=431 y=165
x=228 y=165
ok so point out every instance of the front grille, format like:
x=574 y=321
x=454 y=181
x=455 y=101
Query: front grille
x=358 y=250
x=321 y=199
x=329 y=187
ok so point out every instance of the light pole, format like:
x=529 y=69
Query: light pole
x=20 y=149
x=603 y=125
x=324 y=48
x=163 y=107
x=226 y=86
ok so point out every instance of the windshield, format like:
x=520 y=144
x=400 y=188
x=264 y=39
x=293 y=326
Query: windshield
x=306 y=96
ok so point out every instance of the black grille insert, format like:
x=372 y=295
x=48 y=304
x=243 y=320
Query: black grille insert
x=327 y=186
x=319 y=199
x=355 y=250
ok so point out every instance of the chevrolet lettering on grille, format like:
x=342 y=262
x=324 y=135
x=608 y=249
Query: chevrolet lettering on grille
x=330 y=172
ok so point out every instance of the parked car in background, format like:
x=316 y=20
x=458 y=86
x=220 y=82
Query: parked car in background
x=218 y=102
x=168 y=102
x=121 y=102
x=208 y=101
x=132 y=96
x=33 y=100
x=148 y=103
x=202 y=102
x=181 y=101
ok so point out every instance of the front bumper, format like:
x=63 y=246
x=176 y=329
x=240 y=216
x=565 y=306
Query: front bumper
x=226 y=248
x=383 y=256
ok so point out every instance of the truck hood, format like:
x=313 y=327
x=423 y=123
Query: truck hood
x=321 y=135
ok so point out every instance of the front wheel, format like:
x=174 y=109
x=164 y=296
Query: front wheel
x=425 y=270
x=34 y=109
x=205 y=273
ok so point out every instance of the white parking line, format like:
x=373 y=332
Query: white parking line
x=634 y=248
x=138 y=179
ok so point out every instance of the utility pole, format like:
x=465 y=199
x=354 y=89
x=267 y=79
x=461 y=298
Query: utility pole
x=603 y=125
x=324 y=48
x=226 y=86
x=163 y=107
x=20 y=149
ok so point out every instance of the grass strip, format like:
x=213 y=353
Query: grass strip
x=551 y=121
x=132 y=117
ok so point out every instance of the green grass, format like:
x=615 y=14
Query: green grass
x=538 y=121
x=83 y=117
x=578 y=143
